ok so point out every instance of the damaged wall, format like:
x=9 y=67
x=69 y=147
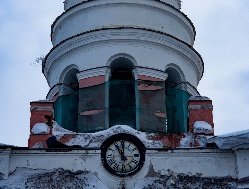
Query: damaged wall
x=199 y=164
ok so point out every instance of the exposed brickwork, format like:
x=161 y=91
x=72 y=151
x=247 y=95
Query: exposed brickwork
x=148 y=78
x=38 y=110
x=152 y=103
x=169 y=141
x=92 y=81
x=200 y=110
x=34 y=139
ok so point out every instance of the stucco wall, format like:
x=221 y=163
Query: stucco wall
x=202 y=162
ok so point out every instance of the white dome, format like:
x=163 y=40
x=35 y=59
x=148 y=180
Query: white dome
x=102 y=14
x=70 y=3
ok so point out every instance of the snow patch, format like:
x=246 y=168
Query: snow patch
x=96 y=139
x=40 y=128
x=50 y=179
x=173 y=180
x=202 y=127
x=199 y=98
x=234 y=140
x=38 y=145
x=187 y=141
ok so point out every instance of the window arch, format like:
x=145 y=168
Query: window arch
x=122 y=94
x=66 y=105
x=176 y=100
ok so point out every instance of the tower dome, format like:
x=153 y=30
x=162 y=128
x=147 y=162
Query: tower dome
x=122 y=63
x=70 y=3
x=85 y=16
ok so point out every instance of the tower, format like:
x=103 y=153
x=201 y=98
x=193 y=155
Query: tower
x=123 y=110
x=122 y=63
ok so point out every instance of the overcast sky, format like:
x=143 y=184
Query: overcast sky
x=222 y=39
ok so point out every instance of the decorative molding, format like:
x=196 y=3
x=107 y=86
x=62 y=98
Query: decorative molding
x=61 y=89
x=52 y=92
x=84 y=6
x=68 y=4
x=65 y=90
x=100 y=71
x=125 y=35
x=152 y=73
x=188 y=88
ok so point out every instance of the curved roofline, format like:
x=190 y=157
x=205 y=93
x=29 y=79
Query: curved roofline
x=52 y=26
x=118 y=28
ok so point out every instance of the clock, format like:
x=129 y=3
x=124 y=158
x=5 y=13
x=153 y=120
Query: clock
x=122 y=154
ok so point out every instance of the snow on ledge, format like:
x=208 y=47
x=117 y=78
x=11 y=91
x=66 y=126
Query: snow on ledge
x=202 y=127
x=187 y=141
x=40 y=128
x=1 y=144
x=234 y=140
x=92 y=140
x=199 y=98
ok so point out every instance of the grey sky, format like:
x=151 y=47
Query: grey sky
x=222 y=39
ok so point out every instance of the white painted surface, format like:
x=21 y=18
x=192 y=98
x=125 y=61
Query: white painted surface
x=207 y=163
x=4 y=162
x=93 y=15
x=242 y=159
x=149 y=49
x=69 y=3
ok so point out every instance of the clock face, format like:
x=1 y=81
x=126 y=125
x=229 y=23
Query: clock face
x=123 y=154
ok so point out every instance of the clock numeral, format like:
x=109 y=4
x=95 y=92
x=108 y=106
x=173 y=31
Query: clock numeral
x=130 y=166
x=115 y=166
x=109 y=156
x=134 y=149
x=135 y=161
x=123 y=168
x=111 y=149
x=110 y=161
x=136 y=155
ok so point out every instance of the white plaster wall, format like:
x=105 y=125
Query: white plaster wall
x=4 y=162
x=94 y=15
x=147 y=53
x=203 y=162
x=208 y=163
x=242 y=158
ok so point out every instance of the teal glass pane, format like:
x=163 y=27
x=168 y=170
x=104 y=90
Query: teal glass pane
x=66 y=111
x=122 y=106
x=177 y=110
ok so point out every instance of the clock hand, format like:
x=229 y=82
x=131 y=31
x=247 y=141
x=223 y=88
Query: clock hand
x=123 y=158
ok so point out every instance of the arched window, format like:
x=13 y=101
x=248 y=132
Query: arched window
x=66 y=106
x=176 y=102
x=122 y=101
